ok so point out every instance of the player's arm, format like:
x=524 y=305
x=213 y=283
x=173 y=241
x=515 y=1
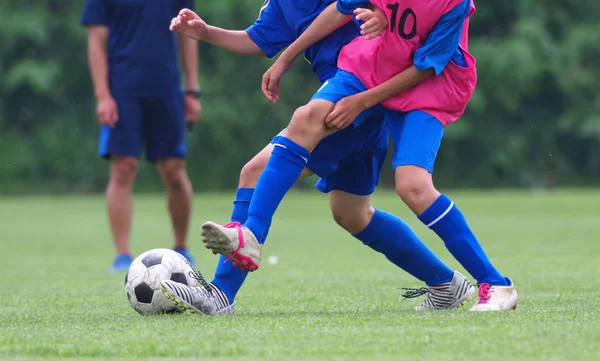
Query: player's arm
x=332 y=18
x=190 y=25
x=234 y=41
x=266 y=37
x=395 y=85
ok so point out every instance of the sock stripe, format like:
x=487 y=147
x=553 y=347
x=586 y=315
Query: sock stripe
x=441 y=215
x=283 y=146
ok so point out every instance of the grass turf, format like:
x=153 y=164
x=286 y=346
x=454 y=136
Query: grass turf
x=328 y=297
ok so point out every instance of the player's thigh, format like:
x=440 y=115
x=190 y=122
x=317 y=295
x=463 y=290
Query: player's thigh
x=352 y=212
x=417 y=137
x=126 y=137
x=164 y=126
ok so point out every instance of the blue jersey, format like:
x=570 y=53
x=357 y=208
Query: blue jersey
x=142 y=51
x=282 y=21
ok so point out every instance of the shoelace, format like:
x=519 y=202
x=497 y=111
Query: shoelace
x=484 y=293
x=198 y=276
x=414 y=292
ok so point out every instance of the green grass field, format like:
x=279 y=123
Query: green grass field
x=328 y=298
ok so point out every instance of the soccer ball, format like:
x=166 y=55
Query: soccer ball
x=142 y=281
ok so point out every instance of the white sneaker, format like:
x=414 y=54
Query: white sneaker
x=235 y=242
x=444 y=296
x=207 y=300
x=496 y=298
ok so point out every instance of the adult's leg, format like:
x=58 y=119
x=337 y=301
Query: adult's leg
x=121 y=145
x=119 y=200
x=164 y=125
x=179 y=196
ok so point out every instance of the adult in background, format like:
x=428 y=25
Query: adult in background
x=137 y=83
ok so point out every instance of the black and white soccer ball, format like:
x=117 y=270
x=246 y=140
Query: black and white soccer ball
x=142 y=281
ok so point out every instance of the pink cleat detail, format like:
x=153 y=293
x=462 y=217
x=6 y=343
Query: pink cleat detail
x=235 y=242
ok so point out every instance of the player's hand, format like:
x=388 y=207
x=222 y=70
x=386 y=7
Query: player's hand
x=375 y=22
x=107 y=111
x=192 y=109
x=344 y=112
x=272 y=77
x=188 y=23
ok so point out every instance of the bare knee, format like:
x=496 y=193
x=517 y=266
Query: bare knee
x=306 y=122
x=173 y=173
x=123 y=171
x=415 y=186
x=351 y=212
x=353 y=220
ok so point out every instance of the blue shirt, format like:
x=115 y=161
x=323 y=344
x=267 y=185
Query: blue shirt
x=442 y=42
x=142 y=51
x=281 y=22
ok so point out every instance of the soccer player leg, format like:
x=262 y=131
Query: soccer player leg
x=291 y=152
x=417 y=137
x=229 y=279
x=349 y=188
x=121 y=146
x=164 y=126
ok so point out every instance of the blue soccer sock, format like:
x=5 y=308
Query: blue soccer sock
x=283 y=169
x=243 y=197
x=228 y=278
x=447 y=221
x=389 y=235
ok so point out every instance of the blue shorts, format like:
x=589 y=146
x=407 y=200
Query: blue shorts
x=153 y=123
x=349 y=160
x=417 y=137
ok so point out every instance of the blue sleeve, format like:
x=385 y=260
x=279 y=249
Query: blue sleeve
x=442 y=42
x=347 y=7
x=95 y=12
x=270 y=31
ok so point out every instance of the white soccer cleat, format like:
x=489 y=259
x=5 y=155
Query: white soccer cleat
x=235 y=242
x=496 y=298
x=207 y=300
x=445 y=296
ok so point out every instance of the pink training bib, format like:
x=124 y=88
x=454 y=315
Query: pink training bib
x=375 y=61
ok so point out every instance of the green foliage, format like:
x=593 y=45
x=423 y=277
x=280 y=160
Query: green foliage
x=533 y=121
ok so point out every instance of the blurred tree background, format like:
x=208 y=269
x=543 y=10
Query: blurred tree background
x=534 y=120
